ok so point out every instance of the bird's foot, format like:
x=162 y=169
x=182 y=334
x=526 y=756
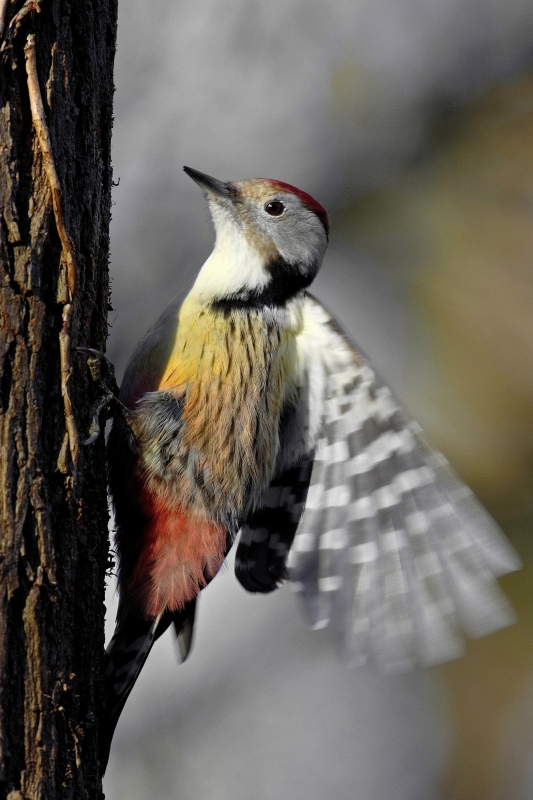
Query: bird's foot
x=103 y=374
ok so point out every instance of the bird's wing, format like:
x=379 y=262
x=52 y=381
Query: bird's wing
x=268 y=533
x=392 y=550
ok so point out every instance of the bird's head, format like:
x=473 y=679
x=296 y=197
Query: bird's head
x=270 y=242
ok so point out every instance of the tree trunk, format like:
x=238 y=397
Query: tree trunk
x=54 y=250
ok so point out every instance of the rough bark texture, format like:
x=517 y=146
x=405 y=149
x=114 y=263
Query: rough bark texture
x=53 y=517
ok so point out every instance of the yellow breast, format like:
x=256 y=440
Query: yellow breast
x=232 y=372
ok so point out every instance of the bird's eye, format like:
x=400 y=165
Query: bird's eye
x=275 y=208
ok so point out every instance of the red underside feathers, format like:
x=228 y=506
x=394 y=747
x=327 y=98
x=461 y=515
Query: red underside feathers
x=180 y=553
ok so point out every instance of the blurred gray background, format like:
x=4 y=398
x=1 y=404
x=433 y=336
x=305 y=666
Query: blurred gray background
x=412 y=121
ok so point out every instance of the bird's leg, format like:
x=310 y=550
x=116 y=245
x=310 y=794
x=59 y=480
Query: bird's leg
x=103 y=374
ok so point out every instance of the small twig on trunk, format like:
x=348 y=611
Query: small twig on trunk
x=3 y=11
x=16 y=22
x=39 y=121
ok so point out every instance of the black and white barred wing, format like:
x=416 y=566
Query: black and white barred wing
x=392 y=550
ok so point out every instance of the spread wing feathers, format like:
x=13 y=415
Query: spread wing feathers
x=392 y=549
x=267 y=535
x=125 y=657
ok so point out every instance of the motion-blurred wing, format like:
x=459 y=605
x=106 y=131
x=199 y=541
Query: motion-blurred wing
x=392 y=549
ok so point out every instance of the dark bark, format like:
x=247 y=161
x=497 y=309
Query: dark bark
x=53 y=514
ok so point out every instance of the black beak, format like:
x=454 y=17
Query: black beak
x=211 y=186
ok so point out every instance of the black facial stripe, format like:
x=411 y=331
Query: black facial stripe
x=285 y=283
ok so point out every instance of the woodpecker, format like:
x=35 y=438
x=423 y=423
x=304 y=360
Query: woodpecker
x=247 y=408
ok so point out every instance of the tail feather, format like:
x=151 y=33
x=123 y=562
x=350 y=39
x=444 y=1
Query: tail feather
x=126 y=655
x=183 y=627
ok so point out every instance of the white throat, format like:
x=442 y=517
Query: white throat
x=233 y=265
